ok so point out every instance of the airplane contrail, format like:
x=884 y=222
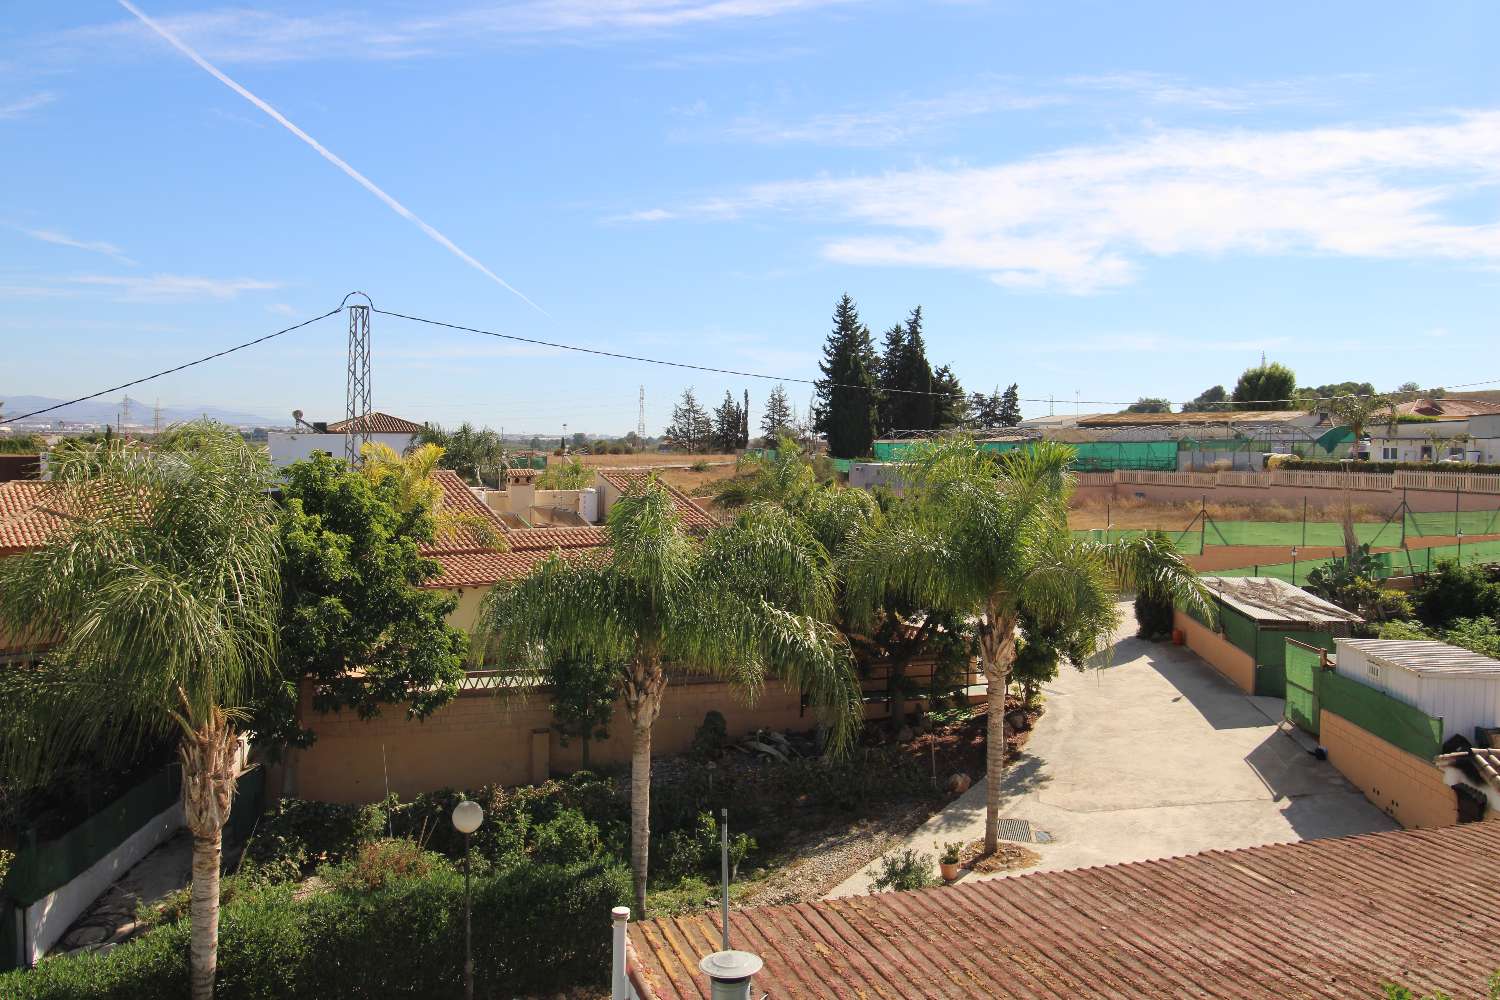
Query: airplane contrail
x=328 y=155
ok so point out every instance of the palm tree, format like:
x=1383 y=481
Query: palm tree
x=749 y=602
x=1359 y=412
x=988 y=538
x=160 y=598
x=417 y=490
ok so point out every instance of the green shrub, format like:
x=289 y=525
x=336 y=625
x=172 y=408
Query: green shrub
x=700 y=466
x=1452 y=591
x=382 y=862
x=567 y=839
x=1334 y=465
x=304 y=834
x=904 y=871
x=537 y=929
x=710 y=738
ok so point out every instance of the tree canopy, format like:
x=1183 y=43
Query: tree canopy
x=1268 y=386
x=846 y=394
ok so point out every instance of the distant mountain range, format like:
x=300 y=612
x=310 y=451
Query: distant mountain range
x=101 y=411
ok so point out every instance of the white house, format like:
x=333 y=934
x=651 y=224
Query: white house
x=1460 y=430
x=310 y=439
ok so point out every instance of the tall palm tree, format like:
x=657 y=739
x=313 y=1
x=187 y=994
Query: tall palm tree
x=159 y=598
x=988 y=538
x=1358 y=413
x=417 y=490
x=749 y=602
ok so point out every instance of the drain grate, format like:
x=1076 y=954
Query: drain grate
x=1020 y=831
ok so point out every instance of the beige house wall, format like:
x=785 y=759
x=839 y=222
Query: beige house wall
x=1409 y=789
x=483 y=738
x=1237 y=666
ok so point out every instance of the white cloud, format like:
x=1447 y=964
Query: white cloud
x=64 y=240
x=281 y=309
x=242 y=35
x=1435 y=332
x=643 y=215
x=25 y=105
x=172 y=287
x=1085 y=219
x=1163 y=89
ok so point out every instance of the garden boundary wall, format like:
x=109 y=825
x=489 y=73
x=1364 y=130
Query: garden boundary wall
x=1408 y=788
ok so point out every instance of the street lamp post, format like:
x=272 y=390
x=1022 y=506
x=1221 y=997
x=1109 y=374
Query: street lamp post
x=1294 y=565
x=1460 y=535
x=467 y=816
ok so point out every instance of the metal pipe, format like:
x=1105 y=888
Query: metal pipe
x=724 y=874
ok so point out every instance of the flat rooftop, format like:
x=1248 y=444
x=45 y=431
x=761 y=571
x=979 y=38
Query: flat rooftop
x=1424 y=656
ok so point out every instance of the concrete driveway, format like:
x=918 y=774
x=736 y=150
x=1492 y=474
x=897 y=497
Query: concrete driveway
x=1155 y=755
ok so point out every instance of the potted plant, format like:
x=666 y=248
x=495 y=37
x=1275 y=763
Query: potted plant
x=948 y=860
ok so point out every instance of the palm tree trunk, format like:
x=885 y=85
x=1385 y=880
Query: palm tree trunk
x=210 y=767
x=640 y=811
x=644 y=683
x=997 y=648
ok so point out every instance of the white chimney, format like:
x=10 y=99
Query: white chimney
x=729 y=974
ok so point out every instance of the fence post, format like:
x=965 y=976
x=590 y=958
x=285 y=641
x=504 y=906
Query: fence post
x=1304 y=522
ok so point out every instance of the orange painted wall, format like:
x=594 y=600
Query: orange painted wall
x=1408 y=788
x=482 y=738
x=1224 y=656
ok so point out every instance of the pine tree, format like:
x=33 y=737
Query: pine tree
x=744 y=441
x=950 y=407
x=726 y=425
x=690 y=426
x=778 y=417
x=845 y=409
x=986 y=407
x=887 y=371
x=1009 y=408
x=906 y=379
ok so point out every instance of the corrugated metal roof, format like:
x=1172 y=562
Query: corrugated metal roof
x=1331 y=919
x=1424 y=656
x=1211 y=417
x=1267 y=600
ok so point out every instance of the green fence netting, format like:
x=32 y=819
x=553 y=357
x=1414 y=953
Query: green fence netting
x=1089 y=456
x=1302 y=668
x=1189 y=542
x=1470 y=522
x=1376 y=712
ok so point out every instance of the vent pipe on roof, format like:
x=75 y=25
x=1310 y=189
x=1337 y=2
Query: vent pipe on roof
x=729 y=974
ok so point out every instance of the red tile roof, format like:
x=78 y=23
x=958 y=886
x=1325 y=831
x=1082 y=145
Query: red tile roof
x=27 y=521
x=376 y=423
x=1332 y=919
x=1453 y=409
x=458 y=500
x=556 y=538
x=694 y=518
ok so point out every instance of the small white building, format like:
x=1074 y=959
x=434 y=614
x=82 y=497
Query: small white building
x=1458 y=430
x=1445 y=682
x=310 y=439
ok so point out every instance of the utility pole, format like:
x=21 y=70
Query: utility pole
x=156 y=417
x=640 y=417
x=357 y=384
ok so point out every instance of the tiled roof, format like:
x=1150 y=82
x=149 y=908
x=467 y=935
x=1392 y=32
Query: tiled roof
x=694 y=518
x=1484 y=760
x=556 y=538
x=1453 y=409
x=1193 y=418
x=459 y=501
x=376 y=423
x=26 y=520
x=1331 y=919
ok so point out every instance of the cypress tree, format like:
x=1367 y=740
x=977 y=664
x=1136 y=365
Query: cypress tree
x=1009 y=414
x=845 y=408
x=950 y=407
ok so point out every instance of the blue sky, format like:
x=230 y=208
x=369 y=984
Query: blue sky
x=1092 y=199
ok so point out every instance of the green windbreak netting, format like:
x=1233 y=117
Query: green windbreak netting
x=1189 y=542
x=1302 y=668
x=1237 y=629
x=1470 y=522
x=1291 y=533
x=1091 y=456
x=1376 y=712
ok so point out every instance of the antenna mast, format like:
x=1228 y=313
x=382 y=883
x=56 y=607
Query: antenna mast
x=357 y=386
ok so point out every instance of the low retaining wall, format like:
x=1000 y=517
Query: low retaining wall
x=43 y=923
x=1237 y=666
x=1409 y=789
x=506 y=739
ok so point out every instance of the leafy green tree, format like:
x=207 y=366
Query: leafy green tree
x=905 y=379
x=1149 y=404
x=568 y=474
x=727 y=421
x=162 y=593
x=474 y=453
x=1008 y=411
x=777 y=419
x=1266 y=387
x=989 y=539
x=950 y=402
x=1452 y=591
x=845 y=410
x=749 y=602
x=1210 y=400
x=583 y=698
x=690 y=427
x=355 y=620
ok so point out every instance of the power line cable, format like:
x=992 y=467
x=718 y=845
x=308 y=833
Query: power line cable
x=840 y=385
x=178 y=368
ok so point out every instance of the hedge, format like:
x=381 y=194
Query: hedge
x=1325 y=465
x=538 y=928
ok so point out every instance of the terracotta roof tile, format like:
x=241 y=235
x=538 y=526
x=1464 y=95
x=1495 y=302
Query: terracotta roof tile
x=460 y=501
x=26 y=520
x=485 y=569
x=376 y=423
x=556 y=538
x=1330 y=919
x=695 y=518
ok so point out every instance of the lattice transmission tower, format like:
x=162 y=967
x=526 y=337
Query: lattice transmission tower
x=357 y=387
x=640 y=419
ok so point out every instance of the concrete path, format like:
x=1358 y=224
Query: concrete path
x=1151 y=756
